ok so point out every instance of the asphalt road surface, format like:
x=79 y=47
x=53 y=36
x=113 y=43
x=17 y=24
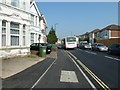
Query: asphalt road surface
x=68 y=71
x=102 y=64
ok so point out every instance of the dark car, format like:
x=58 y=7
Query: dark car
x=114 y=49
x=36 y=47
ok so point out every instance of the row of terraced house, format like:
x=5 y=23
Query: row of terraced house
x=106 y=36
x=21 y=24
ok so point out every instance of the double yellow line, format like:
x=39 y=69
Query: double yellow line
x=101 y=83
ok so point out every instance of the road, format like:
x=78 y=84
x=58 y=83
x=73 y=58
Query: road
x=103 y=65
x=66 y=72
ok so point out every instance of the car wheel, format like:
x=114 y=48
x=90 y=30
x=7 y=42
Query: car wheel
x=98 y=49
x=109 y=52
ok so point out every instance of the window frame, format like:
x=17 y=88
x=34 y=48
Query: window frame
x=4 y=33
x=15 y=34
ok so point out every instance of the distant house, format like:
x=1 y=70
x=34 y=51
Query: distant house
x=109 y=32
x=109 y=35
x=84 y=36
x=93 y=36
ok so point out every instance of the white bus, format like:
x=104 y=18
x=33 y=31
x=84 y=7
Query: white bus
x=69 y=42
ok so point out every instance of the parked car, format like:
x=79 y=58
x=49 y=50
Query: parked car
x=59 y=46
x=85 y=45
x=99 y=47
x=36 y=46
x=114 y=49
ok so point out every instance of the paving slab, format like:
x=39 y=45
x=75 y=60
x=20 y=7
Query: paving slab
x=13 y=66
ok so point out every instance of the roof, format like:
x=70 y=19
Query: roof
x=96 y=30
x=112 y=27
x=35 y=5
x=31 y=1
x=43 y=17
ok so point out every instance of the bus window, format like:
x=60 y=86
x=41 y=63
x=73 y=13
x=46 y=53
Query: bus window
x=71 y=39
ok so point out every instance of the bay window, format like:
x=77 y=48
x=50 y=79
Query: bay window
x=14 y=33
x=3 y=33
x=24 y=35
x=32 y=38
x=32 y=19
x=15 y=3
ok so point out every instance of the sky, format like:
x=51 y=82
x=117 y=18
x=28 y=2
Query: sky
x=76 y=18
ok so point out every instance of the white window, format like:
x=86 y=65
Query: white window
x=32 y=38
x=3 y=33
x=24 y=5
x=36 y=20
x=15 y=3
x=14 y=32
x=24 y=35
x=3 y=1
x=0 y=8
x=32 y=19
x=14 y=40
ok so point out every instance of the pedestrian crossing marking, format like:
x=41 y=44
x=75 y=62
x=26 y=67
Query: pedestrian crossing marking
x=68 y=76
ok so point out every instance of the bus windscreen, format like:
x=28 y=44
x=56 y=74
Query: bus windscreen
x=71 y=39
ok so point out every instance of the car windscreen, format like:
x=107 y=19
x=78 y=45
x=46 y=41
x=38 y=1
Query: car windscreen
x=71 y=39
x=85 y=43
x=34 y=44
x=101 y=45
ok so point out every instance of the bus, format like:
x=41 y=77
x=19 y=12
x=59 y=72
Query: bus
x=69 y=42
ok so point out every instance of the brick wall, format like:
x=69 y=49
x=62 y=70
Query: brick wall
x=108 y=42
x=115 y=33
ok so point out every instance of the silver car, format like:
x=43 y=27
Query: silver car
x=85 y=45
x=100 y=47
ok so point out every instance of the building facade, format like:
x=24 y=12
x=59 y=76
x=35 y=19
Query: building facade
x=109 y=32
x=43 y=29
x=92 y=36
x=20 y=26
x=35 y=24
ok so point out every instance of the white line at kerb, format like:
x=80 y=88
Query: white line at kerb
x=112 y=58
x=43 y=75
x=92 y=85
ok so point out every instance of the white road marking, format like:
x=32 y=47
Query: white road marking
x=91 y=52
x=80 y=49
x=43 y=74
x=112 y=58
x=92 y=85
x=68 y=76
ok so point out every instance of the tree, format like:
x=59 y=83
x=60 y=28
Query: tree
x=52 y=38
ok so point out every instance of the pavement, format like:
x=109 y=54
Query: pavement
x=13 y=66
x=57 y=71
